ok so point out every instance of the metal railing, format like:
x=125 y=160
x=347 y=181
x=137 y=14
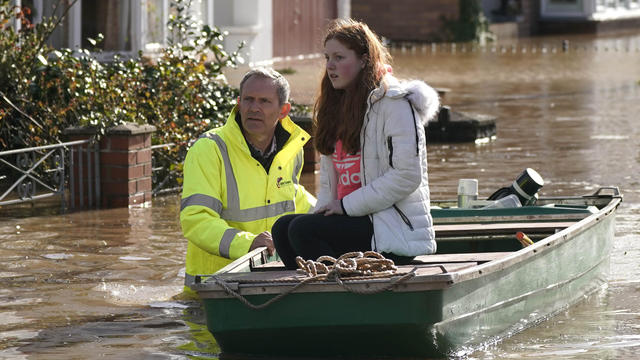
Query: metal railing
x=35 y=173
x=71 y=170
x=77 y=173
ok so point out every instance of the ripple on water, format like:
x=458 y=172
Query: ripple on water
x=171 y=305
x=9 y=318
x=609 y=137
x=23 y=244
x=59 y=256
x=130 y=294
x=134 y=258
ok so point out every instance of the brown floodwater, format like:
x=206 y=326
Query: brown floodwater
x=102 y=283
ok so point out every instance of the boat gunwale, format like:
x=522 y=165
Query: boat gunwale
x=453 y=220
x=538 y=247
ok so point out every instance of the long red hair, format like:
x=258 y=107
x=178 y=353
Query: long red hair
x=339 y=113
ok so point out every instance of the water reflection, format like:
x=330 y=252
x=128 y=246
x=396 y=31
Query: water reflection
x=101 y=282
x=606 y=333
x=74 y=279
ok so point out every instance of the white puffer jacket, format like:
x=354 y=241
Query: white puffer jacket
x=395 y=186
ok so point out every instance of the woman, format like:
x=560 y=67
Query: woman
x=374 y=192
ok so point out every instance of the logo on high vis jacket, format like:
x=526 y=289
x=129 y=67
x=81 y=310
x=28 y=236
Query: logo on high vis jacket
x=280 y=182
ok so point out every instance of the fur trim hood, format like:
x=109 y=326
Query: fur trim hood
x=423 y=97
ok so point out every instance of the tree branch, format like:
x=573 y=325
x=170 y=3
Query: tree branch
x=5 y=98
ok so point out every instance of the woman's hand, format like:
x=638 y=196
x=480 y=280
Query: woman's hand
x=334 y=207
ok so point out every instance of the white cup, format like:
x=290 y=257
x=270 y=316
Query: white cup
x=467 y=191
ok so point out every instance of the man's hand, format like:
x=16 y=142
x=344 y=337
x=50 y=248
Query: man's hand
x=263 y=239
x=332 y=208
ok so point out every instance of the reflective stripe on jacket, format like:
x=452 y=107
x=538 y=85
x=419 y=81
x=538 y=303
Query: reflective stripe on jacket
x=228 y=198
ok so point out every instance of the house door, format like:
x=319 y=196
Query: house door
x=298 y=25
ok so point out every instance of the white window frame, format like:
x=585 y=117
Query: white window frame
x=598 y=10
x=145 y=44
x=616 y=9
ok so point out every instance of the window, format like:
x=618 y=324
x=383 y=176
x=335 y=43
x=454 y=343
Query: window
x=155 y=28
x=564 y=8
x=112 y=19
x=566 y=5
x=127 y=26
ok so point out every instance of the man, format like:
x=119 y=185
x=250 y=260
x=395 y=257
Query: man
x=240 y=178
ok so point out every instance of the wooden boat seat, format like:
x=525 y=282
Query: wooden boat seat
x=453 y=230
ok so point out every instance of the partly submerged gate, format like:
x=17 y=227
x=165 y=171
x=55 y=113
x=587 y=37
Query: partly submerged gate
x=70 y=168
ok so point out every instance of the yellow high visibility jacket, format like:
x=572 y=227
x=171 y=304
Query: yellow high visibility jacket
x=228 y=198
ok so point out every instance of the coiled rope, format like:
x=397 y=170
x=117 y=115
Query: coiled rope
x=353 y=266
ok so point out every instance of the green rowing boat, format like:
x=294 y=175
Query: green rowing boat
x=481 y=285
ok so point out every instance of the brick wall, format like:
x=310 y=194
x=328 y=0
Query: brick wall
x=405 y=20
x=125 y=165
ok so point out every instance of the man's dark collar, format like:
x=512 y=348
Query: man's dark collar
x=281 y=136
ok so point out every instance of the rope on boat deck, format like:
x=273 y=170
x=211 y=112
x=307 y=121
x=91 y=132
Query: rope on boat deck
x=356 y=263
x=354 y=266
x=351 y=266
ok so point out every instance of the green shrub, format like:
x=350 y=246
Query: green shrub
x=23 y=60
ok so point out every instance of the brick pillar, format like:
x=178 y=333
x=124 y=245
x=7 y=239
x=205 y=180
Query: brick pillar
x=125 y=165
x=124 y=161
x=311 y=156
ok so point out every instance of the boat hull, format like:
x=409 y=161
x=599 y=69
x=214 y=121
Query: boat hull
x=329 y=324
x=482 y=304
x=507 y=301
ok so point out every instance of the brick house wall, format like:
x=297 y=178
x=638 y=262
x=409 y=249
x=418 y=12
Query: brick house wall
x=405 y=20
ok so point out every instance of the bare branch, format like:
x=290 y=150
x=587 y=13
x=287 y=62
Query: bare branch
x=5 y=98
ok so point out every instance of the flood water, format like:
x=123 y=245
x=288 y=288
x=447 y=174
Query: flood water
x=101 y=283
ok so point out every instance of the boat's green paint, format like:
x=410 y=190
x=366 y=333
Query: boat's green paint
x=305 y=324
x=488 y=245
x=482 y=304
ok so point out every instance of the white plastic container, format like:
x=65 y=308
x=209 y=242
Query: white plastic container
x=509 y=201
x=467 y=192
